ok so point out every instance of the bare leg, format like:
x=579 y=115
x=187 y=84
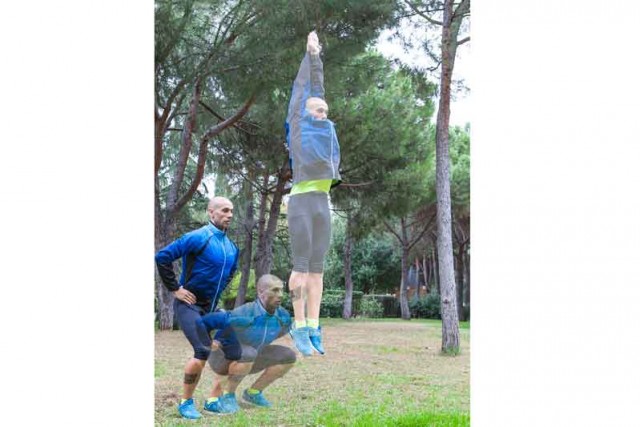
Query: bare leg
x=297 y=287
x=192 y=371
x=271 y=374
x=314 y=295
x=219 y=381
x=237 y=371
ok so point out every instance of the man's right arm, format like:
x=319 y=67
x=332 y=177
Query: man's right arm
x=164 y=262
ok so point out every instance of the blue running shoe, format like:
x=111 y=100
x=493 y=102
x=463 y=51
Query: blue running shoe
x=301 y=340
x=188 y=410
x=216 y=407
x=256 y=399
x=315 y=336
x=229 y=403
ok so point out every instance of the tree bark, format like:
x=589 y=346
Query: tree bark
x=265 y=261
x=185 y=147
x=163 y=233
x=404 y=301
x=460 y=279
x=245 y=262
x=262 y=221
x=425 y=273
x=436 y=273
x=450 y=322
x=348 y=282
x=467 y=293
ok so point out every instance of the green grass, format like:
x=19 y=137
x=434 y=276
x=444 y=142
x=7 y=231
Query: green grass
x=430 y=322
x=383 y=372
x=159 y=369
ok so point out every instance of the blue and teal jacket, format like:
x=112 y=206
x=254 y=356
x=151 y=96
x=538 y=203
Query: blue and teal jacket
x=314 y=152
x=209 y=261
x=250 y=324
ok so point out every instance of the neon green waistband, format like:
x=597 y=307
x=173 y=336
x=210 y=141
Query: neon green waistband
x=323 y=185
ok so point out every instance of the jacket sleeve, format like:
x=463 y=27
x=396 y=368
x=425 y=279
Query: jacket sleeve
x=316 y=76
x=211 y=321
x=301 y=90
x=170 y=253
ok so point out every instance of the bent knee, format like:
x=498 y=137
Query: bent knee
x=202 y=353
x=288 y=357
x=249 y=354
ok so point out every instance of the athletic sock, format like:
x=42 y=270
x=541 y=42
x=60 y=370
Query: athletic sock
x=313 y=323
x=253 y=391
x=212 y=399
x=183 y=400
x=300 y=324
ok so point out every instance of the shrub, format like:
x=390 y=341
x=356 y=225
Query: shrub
x=286 y=303
x=332 y=303
x=426 y=307
x=228 y=297
x=370 y=307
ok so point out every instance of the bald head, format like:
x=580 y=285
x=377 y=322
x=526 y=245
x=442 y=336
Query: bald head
x=270 y=289
x=220 y=211
x=216 y=202
x=317 y=107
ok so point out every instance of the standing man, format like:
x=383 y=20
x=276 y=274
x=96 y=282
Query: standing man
x=314 y=154
x=245 y=337
x=209 y=261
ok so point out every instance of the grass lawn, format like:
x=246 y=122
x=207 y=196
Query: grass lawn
x=386 y=372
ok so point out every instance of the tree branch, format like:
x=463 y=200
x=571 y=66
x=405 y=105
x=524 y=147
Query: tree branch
x=424 y=230
x=461 y=10
x=393 y=231
x=215 y=130
x=202 y=153
x=463 y=41
x=421 y=13
x=219 y=117
x=361 y=184
x=185 y=149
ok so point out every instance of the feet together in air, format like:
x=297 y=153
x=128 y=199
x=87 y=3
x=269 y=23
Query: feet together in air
x=307 y=339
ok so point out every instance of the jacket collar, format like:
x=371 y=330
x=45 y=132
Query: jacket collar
x=214 y=229
x=262 y=310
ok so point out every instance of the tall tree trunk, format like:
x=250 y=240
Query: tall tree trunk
x=467 y=293
x=436 y=273
x=348 y=282
x=164 y=230
x=450 y=332
x=460 y=279
x=262 y=222
x=245 y=262
x=425 y=273
x=265 y=261
x=404 y=302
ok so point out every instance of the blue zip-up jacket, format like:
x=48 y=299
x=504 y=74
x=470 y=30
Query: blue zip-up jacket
x=314 y=152
x=209 y=261
x=250 y=324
